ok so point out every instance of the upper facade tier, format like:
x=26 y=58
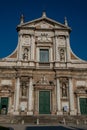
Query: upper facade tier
x=43 y=42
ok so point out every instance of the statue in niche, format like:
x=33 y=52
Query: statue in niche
x=64 y=90
x=62 y=54
x=25 y=54
x=24 y=89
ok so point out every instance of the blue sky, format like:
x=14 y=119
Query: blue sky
x=74 y=10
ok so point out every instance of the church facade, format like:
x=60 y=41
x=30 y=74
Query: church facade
x=43 y=75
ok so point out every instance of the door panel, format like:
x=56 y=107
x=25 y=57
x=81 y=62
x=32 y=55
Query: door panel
x=44 y=102
x=83 y=106
x=3 y=105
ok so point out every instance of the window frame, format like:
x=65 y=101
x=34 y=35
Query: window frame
x=45 y=53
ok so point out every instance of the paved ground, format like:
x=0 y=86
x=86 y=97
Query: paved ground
x=38 y=127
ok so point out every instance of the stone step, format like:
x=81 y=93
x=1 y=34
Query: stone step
x=43 y=119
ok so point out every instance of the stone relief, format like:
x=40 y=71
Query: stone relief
x=6 y=89
x=23 y=106
x=61 y=40
x=44 y=25
x=43 y=80
x=26 y=40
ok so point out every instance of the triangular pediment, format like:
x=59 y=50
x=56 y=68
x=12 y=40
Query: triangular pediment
x=44 y=23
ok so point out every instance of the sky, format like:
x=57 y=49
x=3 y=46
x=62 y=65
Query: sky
x=74 y=10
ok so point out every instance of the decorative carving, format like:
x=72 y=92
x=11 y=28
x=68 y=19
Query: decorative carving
x=81 y=90
x=61 y=40
x=44 y=38
x=6 y=89
x=26 y=40
x=43 y=80
x=43 y=83
x=44 y=25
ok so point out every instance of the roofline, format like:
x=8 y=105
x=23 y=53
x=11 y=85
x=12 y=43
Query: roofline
x=43 y=18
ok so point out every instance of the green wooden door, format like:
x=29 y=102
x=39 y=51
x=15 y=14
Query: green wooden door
x=83 y=106
x=4 y=105
x=44 y=102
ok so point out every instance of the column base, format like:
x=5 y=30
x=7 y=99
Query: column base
x=30 y=113
x=59 y=113
x=73 y=112
x=16 y=113
x=31 y=63
x=79 y=114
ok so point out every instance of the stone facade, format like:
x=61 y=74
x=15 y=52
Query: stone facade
x=43 y=64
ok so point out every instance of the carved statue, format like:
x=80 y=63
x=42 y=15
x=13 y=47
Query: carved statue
x=64 y=90
x=25 y=54
x=24 y=90
x=62 y=54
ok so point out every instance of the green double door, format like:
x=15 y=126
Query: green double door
x=3 y=105
x=83 y=106
x=44 y=102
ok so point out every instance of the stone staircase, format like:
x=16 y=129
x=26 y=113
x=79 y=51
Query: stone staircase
x=43 y=120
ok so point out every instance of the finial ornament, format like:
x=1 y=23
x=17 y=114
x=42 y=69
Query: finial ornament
x=44 y=14
x=65 y=22
x=22 y=19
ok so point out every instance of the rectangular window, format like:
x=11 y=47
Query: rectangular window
x=44 y=55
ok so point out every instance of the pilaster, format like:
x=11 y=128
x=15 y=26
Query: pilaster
x=32 y=47
x=78 y=106
x=56 y=48
x=59 y=112
x=71 y=97
x=67 y=49
x=30 y=98
x=16 y=111
x=20 y=47
x=10 y=105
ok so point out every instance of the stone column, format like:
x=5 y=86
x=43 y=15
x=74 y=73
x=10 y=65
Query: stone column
x=17 y=93
x=59 y=112
x=30 y=98
x=71 y=98
x=78 y=106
